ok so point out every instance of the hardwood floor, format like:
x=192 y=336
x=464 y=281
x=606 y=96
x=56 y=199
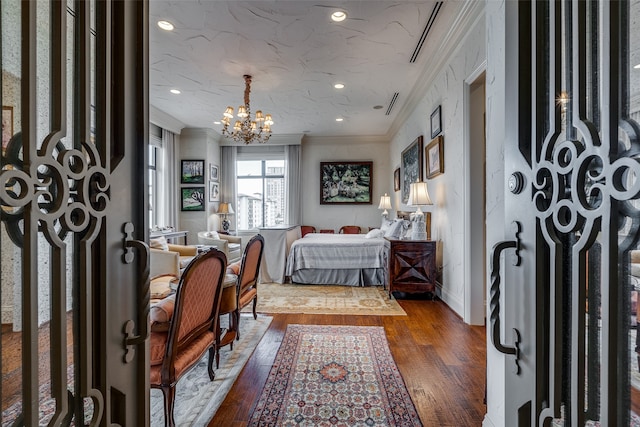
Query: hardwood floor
x=441 y=359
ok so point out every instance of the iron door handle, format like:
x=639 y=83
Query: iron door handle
x=495 y=297
x=131 y=339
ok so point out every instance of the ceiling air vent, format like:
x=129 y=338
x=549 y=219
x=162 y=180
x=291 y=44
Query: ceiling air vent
x=427 y=28
x=392 y=103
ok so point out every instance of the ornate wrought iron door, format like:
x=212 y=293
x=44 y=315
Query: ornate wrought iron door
x=572 y=162
x=72 y=184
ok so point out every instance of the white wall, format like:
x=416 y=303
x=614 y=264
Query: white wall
x=316 y=150
x=447 y=190
x=196 y=144
x=496 y=96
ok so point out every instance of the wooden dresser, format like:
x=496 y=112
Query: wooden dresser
x=412 y=266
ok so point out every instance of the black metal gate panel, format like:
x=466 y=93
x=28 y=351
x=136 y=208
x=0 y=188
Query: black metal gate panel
x=74 y=126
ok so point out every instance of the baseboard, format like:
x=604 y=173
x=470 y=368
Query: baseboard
x=454 y=303
x=486 y=422
x=6 y=315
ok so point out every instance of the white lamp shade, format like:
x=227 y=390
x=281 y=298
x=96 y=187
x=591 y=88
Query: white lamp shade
x=385 y=202
x=419 y=194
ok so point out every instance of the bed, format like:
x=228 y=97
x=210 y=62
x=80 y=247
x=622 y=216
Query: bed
x=340 y=259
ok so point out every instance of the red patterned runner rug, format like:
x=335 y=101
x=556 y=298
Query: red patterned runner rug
x=334 y=376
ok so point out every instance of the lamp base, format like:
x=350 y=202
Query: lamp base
x=225 y=224
x=419 y=230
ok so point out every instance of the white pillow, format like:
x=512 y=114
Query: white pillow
x=395 y=230
x=159 y=243
x=213 y=235
x=406 y=233
x=386 y=223
x=374 y=234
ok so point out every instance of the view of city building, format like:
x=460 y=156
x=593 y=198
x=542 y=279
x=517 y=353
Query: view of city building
x=261 y=195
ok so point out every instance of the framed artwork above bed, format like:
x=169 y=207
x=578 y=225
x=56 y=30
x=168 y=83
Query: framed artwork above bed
x=346 y=183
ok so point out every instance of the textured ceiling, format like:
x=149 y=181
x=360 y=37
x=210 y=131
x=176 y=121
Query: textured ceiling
x=295 y=54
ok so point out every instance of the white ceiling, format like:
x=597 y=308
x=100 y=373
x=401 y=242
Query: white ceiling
x=295 y=54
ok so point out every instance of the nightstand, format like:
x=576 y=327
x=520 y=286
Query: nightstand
x=412 y=266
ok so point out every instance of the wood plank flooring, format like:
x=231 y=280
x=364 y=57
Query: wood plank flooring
x=441 y=359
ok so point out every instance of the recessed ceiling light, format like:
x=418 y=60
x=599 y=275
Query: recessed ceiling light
x=339 y=119
x=378 y=107
x=339 y=85
x=637 y=67
x=216 y=123
x=165 y=25
x=339 y=16
x=175 y=91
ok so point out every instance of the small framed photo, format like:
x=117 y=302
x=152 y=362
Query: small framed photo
x=396 y=180
x=434 y=153
x=192 y=172
x=214 y=191
x=192 y=198
x=436 y=122
x=214 y=172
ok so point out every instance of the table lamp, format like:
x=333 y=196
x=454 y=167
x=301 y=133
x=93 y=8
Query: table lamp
x=419 y=196
x=385 y=203
x=225 y=209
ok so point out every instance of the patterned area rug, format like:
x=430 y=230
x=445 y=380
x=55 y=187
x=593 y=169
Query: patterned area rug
x=334 y=375
x=198 y=398
x=326 y=299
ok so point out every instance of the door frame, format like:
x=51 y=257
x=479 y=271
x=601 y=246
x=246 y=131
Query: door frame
x=474 y=292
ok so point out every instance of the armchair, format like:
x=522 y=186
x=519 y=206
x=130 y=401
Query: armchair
x=230 y=245
x=166 y=258
x=191 y=327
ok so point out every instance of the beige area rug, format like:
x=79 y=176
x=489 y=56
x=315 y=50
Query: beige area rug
x=326 y=299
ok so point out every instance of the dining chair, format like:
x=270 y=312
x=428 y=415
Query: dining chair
x=247 y=287
x=306 y=229
x=350 y=229
x=191 y=328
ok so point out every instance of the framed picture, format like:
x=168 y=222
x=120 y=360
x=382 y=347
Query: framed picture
x=436 y=122
x=396 y=180
x=435 y=157
x=7 y=126
x=192 y=172
x=214 y=172
x=214 y=191
x=411 y=164
x=345 y=183
x=192 y=198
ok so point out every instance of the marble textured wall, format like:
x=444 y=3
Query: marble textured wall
x=447 y=190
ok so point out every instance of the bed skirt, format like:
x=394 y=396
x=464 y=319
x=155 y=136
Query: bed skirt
x=349 y=277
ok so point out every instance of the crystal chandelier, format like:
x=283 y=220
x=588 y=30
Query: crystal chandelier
x=246 y=129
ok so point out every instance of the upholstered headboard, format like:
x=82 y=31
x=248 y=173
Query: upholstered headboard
x=408 y=216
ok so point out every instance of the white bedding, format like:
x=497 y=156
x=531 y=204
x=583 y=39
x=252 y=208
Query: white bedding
x=326 y=258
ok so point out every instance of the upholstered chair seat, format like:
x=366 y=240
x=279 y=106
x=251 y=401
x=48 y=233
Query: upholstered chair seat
x=167 y=258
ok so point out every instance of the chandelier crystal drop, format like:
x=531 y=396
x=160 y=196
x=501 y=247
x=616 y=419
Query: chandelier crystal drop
x=246 y=129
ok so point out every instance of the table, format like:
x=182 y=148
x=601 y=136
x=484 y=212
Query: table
x=277 y=242
x=169 y=235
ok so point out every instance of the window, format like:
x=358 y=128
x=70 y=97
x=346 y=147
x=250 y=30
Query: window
x=261 y=193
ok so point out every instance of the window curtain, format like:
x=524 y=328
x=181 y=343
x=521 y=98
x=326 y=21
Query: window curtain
x=228 y=157
x=292 y=156
x=168 y=177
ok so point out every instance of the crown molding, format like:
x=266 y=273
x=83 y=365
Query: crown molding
x=164 y=120
x=351 y=140
x=469 y=13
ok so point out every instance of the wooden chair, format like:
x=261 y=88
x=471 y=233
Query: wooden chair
x=247 y=286
x=191 y=329
x=350 y=229
x=306 y=229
